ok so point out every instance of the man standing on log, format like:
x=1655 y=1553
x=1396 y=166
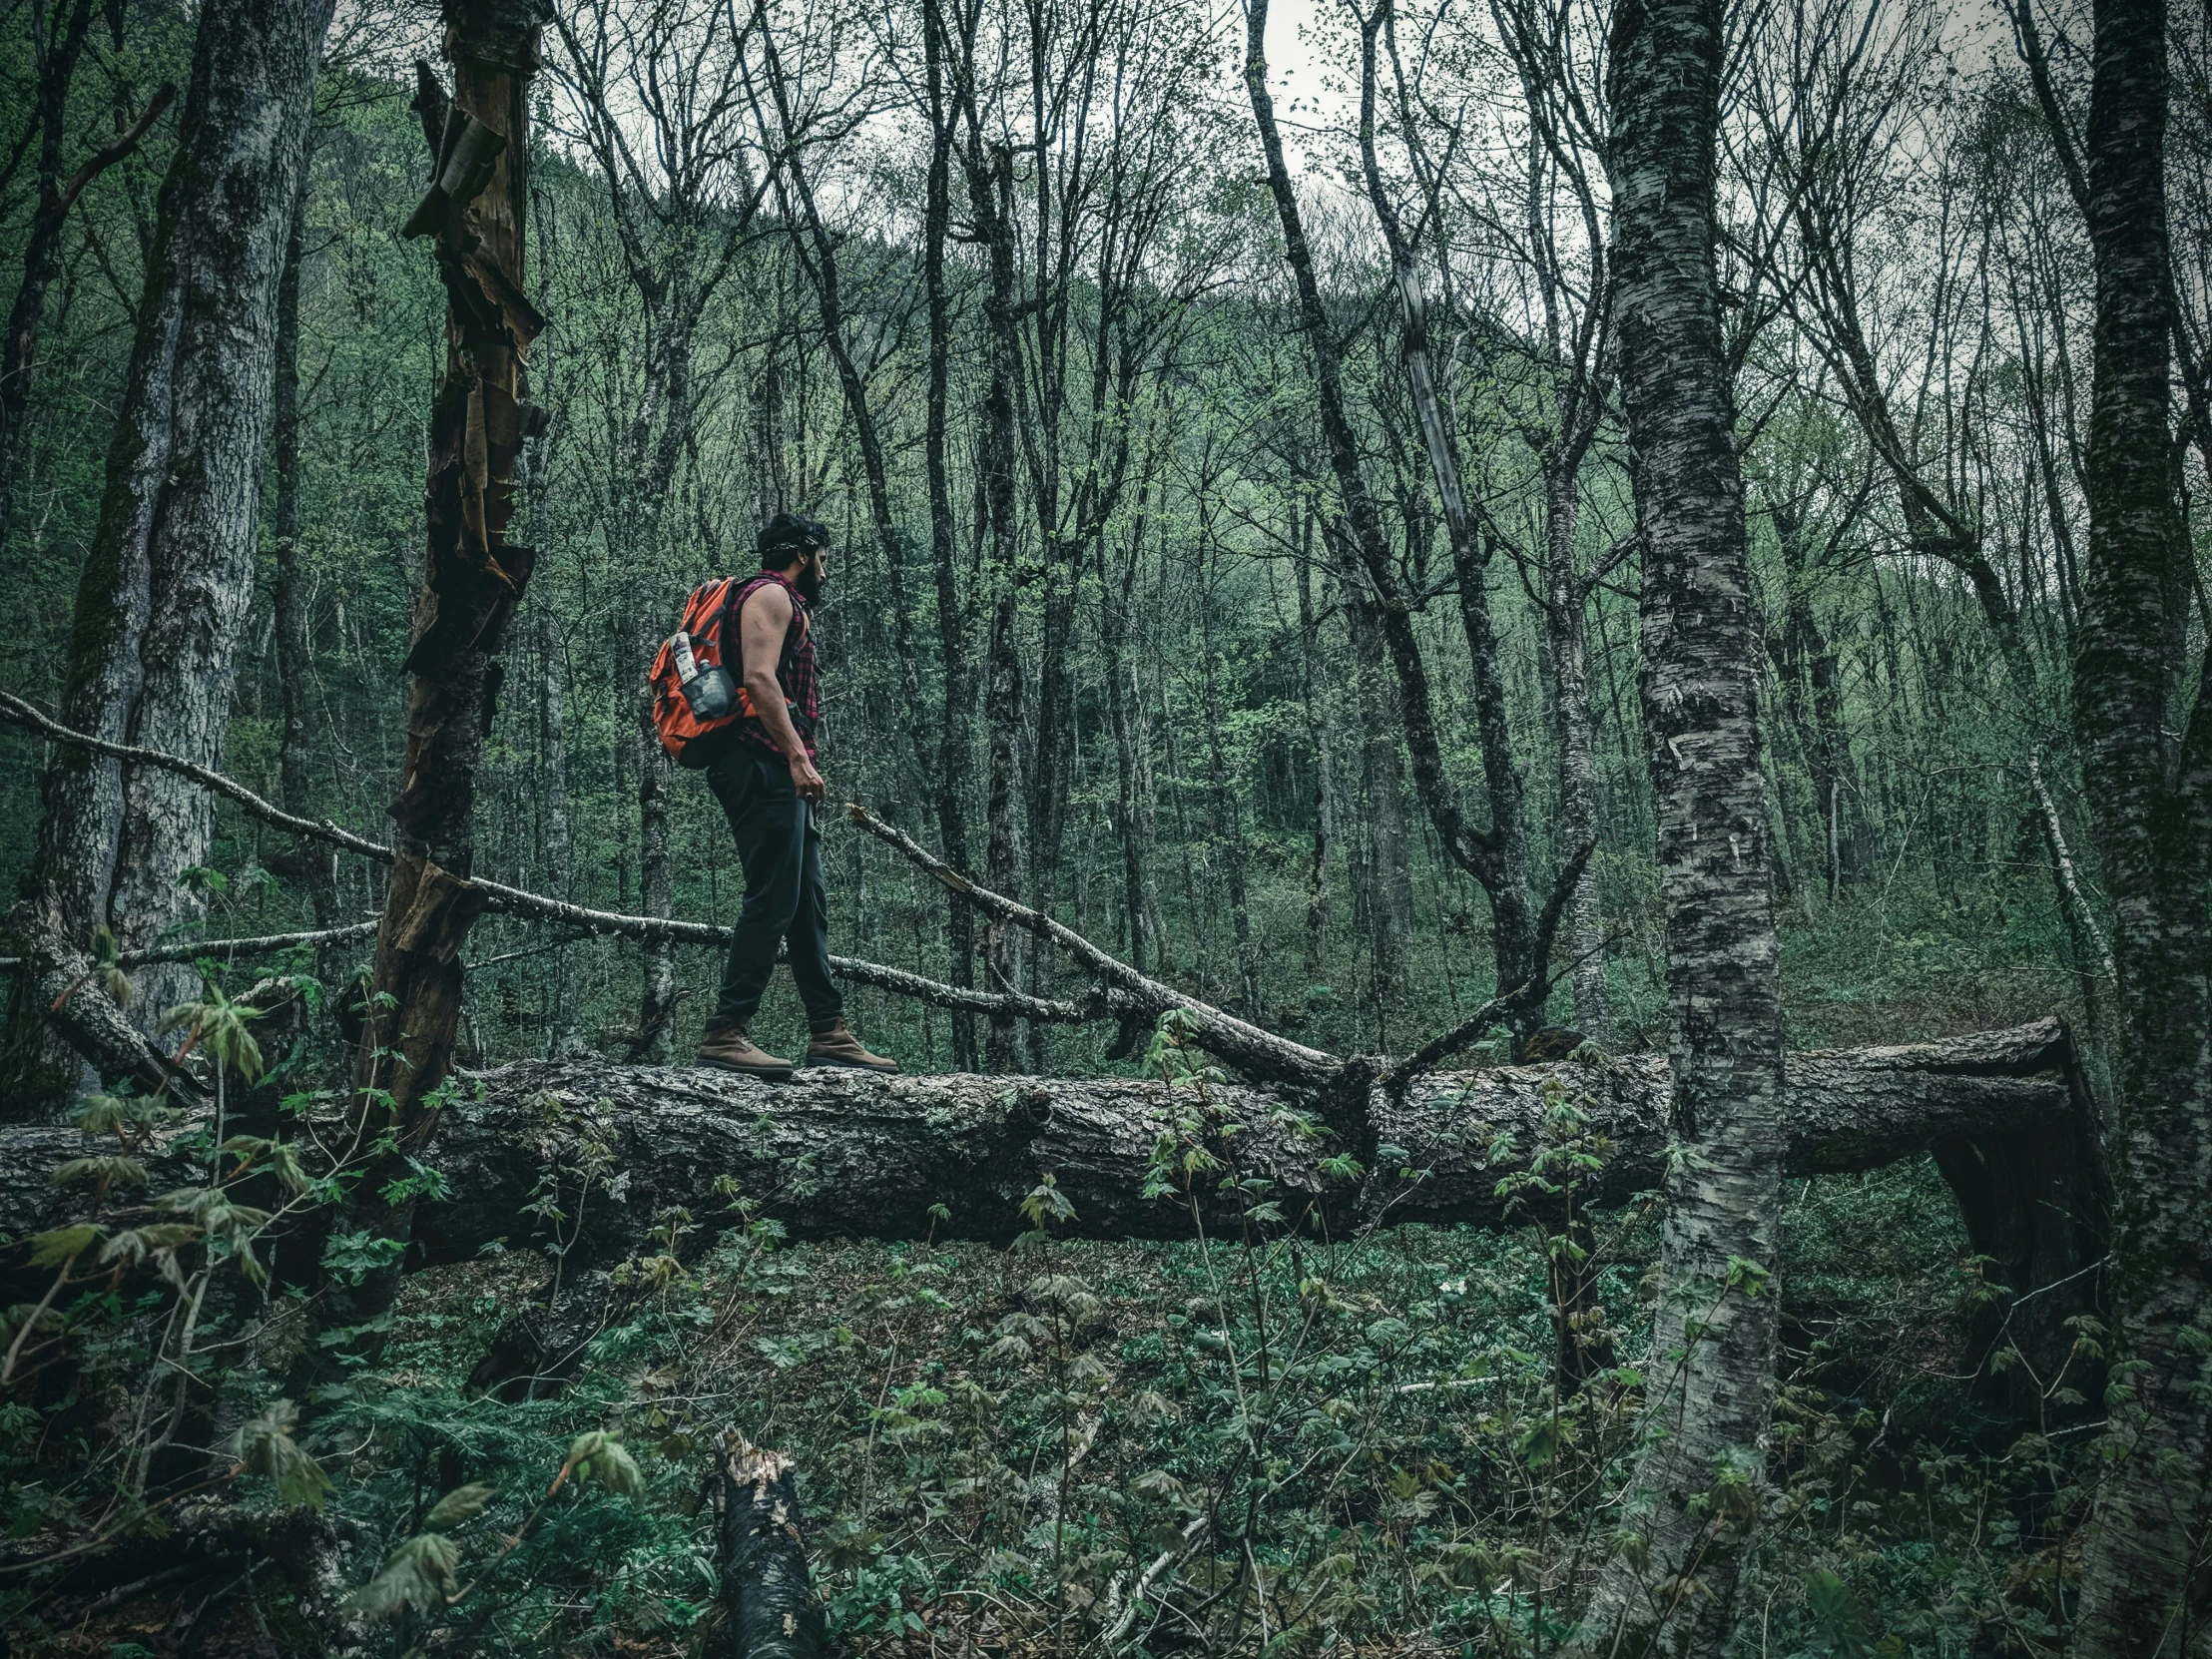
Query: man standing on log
x=762 y=769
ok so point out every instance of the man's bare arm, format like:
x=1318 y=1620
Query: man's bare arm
x=762 y=625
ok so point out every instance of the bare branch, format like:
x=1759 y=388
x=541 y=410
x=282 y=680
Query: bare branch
x=1236 y=1040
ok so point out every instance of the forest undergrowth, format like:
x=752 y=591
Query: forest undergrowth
x=1269 y=1443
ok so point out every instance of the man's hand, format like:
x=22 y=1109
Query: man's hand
x=805 y=778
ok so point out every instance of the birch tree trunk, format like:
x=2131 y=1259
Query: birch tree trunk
x=1695 y=1497
x=2145 y=1583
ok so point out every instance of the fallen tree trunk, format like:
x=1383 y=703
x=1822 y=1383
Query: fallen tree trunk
x=837 y=1153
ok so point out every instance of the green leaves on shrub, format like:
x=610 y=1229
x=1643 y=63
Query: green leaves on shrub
x=462 y=1503
x=601 y=1458
x=419 y=1576
x=263 y=1446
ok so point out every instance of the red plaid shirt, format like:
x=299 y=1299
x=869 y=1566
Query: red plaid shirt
x=794 y=669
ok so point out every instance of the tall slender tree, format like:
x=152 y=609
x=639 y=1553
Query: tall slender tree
x=1698 y=1489
x=473 y=580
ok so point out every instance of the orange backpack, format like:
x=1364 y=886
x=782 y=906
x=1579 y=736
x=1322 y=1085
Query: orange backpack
x=692 y=692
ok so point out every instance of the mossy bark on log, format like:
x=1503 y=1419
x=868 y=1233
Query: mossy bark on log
x=848 y=1154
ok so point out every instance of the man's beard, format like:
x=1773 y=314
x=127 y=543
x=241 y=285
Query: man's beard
x=809 y=581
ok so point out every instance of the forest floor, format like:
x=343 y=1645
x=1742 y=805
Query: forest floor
x=1014 y=1451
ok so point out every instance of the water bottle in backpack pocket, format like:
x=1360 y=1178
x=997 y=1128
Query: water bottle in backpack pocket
x=707 y=687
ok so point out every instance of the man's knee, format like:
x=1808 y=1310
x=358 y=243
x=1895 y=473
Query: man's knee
x=774 y=905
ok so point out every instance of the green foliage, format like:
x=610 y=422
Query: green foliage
x=218 y=1027
x=355 y=1255
x=265 y=1445
x=459 y=1506
x=599 y=1459
x=62 y=1244
x=416 y=1577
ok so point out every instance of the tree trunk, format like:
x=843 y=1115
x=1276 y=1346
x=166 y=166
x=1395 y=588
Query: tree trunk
x=1810 y=671
x=241 y=152
x=953 y=729
x=1003 y=948
x=1386 y=890
x=655 y=878
x=990 y=186
x=2145 y=1586
x=174 y=537
x=765 y=1584
x=1566 y=599
x=61 y=45
x=1314 y=678
x=473 y=580
x=294 y=636
x=1699 y=1484
x=838 y=1154
x=558 y=838
x=1136 y=822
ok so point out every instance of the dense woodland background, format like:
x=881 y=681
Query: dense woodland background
x=1259 y=808
x=1114 y=652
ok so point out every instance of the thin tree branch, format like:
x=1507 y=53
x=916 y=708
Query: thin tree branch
x=228 y=948
x=117 y=148
x=2064 y=855
x=1100 y=1004
x=14 y=709
x=1233 y=1039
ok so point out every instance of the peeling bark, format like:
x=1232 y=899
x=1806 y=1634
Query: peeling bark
x=765 y=1583
x=473 y=580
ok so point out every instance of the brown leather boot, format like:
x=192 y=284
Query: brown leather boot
x=837 y=1046
x=728 y=1046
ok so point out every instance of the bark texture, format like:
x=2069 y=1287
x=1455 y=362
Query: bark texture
x=242 y=147
x=765 y=1583
x=172 y=555
x=292 y=601
x=840 y=1153
x=952 y=626
x=2146 y=1578
x=473 y=580
x=1696 y=1493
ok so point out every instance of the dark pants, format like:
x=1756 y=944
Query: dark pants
x=780 y=849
